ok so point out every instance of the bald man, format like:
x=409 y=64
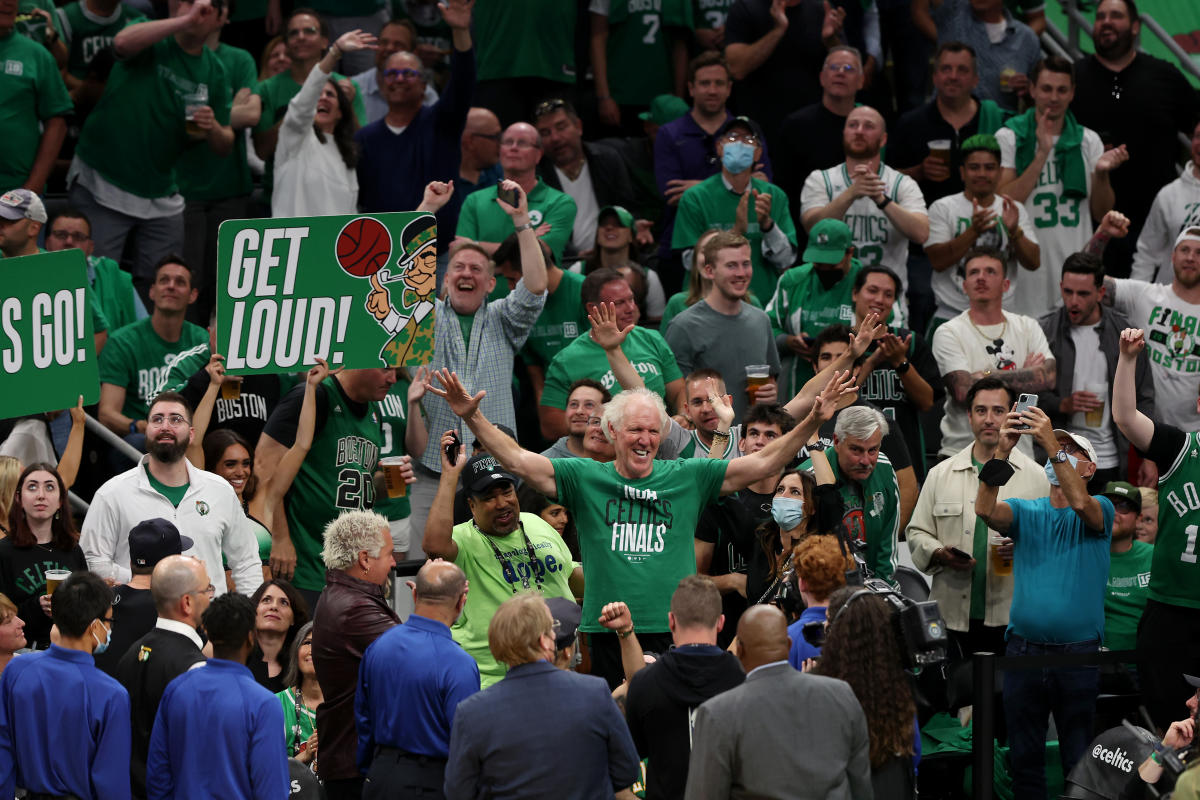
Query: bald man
x=884 y=208
x=755 y=737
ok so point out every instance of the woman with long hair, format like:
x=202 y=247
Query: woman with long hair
x=862 y=648
x=274 y=59
x=300 y=699
x=316 y=154
x=42 y=536
x=228 y=454
x=697 y=285
x=280 y=611
x=553 y=513
x=12 y=632
x=10 y=471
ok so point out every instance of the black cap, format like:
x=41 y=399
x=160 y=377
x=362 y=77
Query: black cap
x=483 y=472
x=152 y=540
x=1193 y=681
x=741 y=122
x=567 y=614
x=477 y=445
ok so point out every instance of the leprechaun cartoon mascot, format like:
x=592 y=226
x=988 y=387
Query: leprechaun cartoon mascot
x=412 y=333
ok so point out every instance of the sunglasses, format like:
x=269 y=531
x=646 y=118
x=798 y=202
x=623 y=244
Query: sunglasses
x=406 y=74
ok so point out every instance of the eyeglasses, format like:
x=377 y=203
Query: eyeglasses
x=69 y=236
x=748 y=138
x=174 y=419
x=549 y=107
x=309 y=31
x=842 y=67
x=491 y=137
x=520 y=144
x=406 y=74
x=209 y=590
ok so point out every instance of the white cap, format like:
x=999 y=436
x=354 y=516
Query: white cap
x=1080 y=441
x=1190 y=233
x=22 y=204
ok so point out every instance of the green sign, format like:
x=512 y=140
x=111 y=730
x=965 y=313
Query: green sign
x=47 y=351
x=357 y=291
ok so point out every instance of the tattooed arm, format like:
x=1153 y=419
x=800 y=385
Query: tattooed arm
x=1037 y=375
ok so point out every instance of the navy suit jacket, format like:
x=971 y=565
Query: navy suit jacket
x=500 y=737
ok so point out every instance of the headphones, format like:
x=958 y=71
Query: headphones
x=849 y=600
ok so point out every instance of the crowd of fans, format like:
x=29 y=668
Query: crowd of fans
x=733 y=301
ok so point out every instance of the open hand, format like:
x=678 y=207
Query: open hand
x=455 y=394
x=605 y=332
x=355 y=40
x=722 y=406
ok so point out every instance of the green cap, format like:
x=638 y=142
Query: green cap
x=663 y=109
x=828 y=242
x=623 y=216
x=1124 y=491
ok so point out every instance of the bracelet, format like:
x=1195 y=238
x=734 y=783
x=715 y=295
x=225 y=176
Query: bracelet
x=1155 y=757
x=333 y=48
x=528 y=226
x=625 y=634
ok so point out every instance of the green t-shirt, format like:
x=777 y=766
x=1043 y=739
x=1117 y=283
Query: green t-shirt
x=203 y=175
x=137 y=359
x=393 y=419
x=173 y=493
x=979 y=545
x=32 y=91
x=530 y=39
x=636 y=536
x=647 y=350
x=709 y=204
x=87 y=35
x=465 y=323
x=1175 y=579
x=297 y=727
x=491 y=586
x=154 y=88
x=482 y=219
x=112 y=287
x=562 y=319
x=1125 y=595
x=802 y=305
x=639 y=48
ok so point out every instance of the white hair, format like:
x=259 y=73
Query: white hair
x=618 y=407
x=351 y=533
x=859 y=422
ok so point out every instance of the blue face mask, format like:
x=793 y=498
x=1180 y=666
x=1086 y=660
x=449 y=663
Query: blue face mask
x=1072 y=460
x=788 y=512
x=737 y=157
x=101 y=646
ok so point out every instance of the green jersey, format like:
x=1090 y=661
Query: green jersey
x=336 y=476
x=32 y=91
x=647 y=351
x=562 y=319
x=154 y=87
x=639 y=47
x=137 y=359
x=636 y=536
x=497 y=573
x=113 y=289
x=525 y=39
x=709 y=204
x=299 y=721
x=871 y=513
x=86 y=35
x=1174 y=578
x=203 y=175
x=393 y=419
x=710 y=14
x=1125 y=595
x=802 y=306
x=482 y=219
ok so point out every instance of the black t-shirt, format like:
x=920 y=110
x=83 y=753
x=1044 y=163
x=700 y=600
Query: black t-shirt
x=134 y=616
x=730 y=525
x=23 y=581
x=809 y=139
x=247 y=414
x=908 y=145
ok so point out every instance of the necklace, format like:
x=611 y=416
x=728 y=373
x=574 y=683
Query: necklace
x=998 y=340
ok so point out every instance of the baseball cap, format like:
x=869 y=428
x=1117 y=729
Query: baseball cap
x=566 y=615
x=625 y=218
x=663 y=109
x=22 y=204
x=152 y=540
x=1082 y=442
x=828 y=242
x=483 y=472
x=1125 y=491
x=1193 y=681
x=477 y=445
x=1190 y=233
x=741 y=122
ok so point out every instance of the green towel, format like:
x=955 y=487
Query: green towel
x=1068 y=151
x=991 y=117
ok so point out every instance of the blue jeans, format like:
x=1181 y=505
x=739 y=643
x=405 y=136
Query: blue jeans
x=1031 y=695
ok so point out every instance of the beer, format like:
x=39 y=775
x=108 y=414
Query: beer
x=940 y=149
x=231 y=390
x=54 y=577
x=1000 y=565
x=193 y=130
x=1095 y=417
x=756 y=375
x=1006 y=76
x=393 y=479
x=192 y=102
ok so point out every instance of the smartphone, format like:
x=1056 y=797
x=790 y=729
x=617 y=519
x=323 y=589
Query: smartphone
x=954 y=551
x=513 y=198
x=453 y=449
x=1024 y=403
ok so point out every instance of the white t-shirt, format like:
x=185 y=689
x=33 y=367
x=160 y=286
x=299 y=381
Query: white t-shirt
x=1064 y=225
x=1173 y=344
x=949 y=217
x=959 y=346
x=876 y=240
x=1091 y=375
x=583 y=235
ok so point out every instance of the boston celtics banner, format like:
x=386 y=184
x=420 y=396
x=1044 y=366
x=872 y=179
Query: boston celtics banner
x=356 y=291
x=47 y=350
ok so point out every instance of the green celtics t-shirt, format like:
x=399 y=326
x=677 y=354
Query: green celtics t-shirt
x=646 y=350
x=710 y=14
x=529 y=39
x=393 y=419
x=709 y=204
x=32 y=91
x=562 y=319
x=639 y=46
x=154 y=88
x=1175 y=579
x=112 y=287
x=86 y=35
x=1125 y=595
x=483 y=220
x=203 y=175
x=137 y=359
x=635 y=536
x=492 y=583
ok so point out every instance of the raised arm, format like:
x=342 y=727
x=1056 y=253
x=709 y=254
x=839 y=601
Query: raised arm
x=1102 y=194
x=533 y=262
x=416 y=434
x=603 y=317
x=1137 y=427
x=1019 y=187
x=617 y=618
x=203 y=414
x=799 y=406
x=68 y=464
x=745 y=58
x=534 y=468
x=1073 y=486
x=136 y=38
x=438 y=538
x=997 y=514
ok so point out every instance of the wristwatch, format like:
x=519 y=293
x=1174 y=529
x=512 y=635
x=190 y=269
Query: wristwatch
x=1060 y=457
x=528 y=226
x=903 y=367
x=882 y=204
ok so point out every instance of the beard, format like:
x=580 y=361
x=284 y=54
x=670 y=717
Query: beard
x=1118 y=49
x=167 y=452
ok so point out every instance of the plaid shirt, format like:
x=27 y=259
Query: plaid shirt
x=499 y=331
